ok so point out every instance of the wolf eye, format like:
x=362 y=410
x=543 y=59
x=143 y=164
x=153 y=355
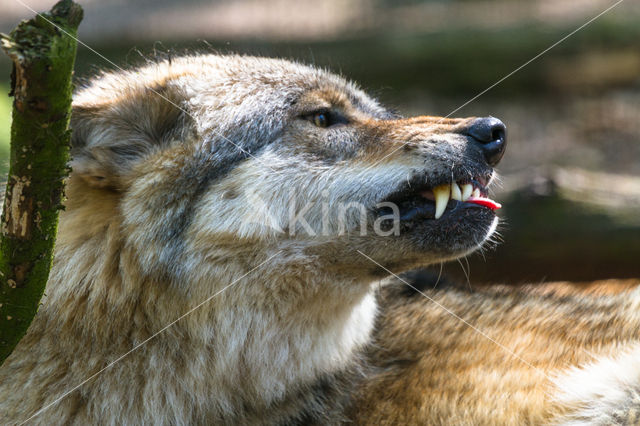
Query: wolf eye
x=325 y=118
x=321 y=119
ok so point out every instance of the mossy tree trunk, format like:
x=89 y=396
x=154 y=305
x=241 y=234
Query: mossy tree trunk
x=43 y=52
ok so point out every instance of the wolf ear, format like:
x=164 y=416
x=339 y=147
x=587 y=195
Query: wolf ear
x=111 y=135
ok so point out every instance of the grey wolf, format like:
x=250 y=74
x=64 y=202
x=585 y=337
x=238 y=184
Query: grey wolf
x=177 y=164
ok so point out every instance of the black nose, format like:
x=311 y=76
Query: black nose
x=492 y=135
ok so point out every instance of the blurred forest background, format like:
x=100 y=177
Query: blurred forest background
x=571 y=174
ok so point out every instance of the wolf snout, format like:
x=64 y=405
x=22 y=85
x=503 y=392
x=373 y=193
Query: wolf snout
x=491 y=133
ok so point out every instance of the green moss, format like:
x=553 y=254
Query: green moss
x=5 y=129
x=43 y=56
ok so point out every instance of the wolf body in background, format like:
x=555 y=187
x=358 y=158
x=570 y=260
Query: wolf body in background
x=166 y=162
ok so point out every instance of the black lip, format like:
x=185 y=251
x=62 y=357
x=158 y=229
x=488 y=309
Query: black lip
x=426 y=209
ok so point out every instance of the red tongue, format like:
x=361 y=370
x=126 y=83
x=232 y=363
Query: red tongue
x=486 y=202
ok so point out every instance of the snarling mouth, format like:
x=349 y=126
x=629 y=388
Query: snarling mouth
x=421 y=201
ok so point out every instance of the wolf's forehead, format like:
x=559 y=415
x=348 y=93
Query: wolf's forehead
x=271 y=80
x=259 y=84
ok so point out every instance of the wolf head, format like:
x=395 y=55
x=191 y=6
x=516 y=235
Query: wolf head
x=208 y=154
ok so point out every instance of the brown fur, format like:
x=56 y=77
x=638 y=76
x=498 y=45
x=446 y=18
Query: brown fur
x=435 y=369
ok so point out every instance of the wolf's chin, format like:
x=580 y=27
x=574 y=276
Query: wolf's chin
x=451 y=242
x=479 y=244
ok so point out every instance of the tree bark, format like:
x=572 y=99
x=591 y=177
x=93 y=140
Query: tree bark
x=43 y=52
